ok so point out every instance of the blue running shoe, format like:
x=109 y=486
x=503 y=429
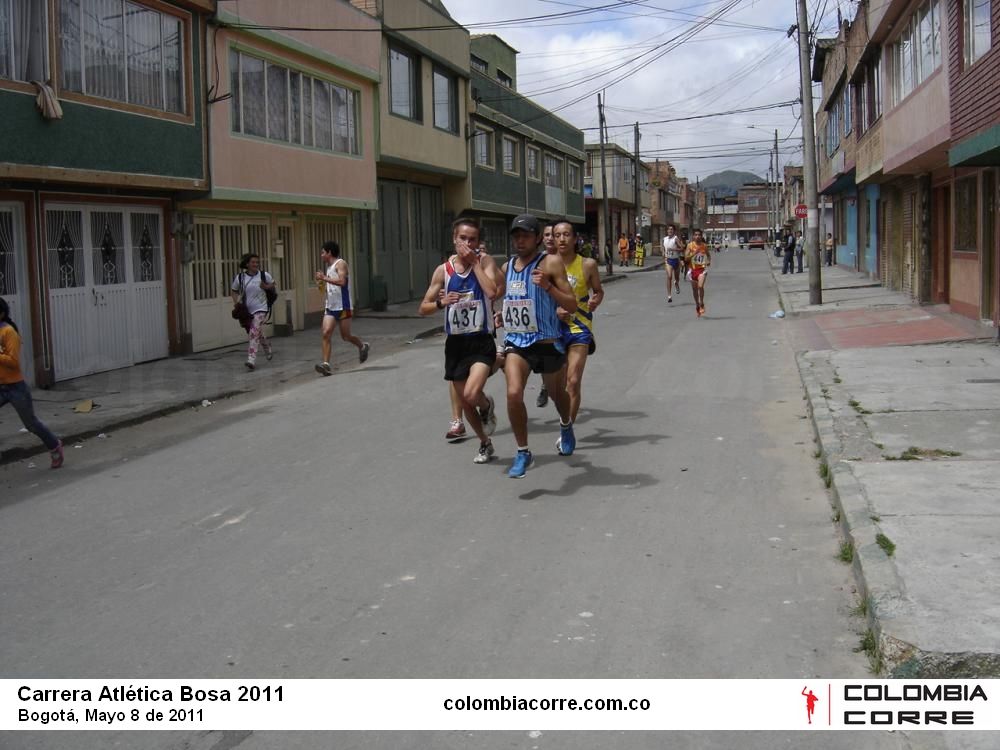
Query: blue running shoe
x=522 y=462
x=566 y=443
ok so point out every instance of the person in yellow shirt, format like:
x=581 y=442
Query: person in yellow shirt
x=15 y=391
x=577 y=328
x=698 y=260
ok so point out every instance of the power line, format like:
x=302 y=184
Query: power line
x=775 y=105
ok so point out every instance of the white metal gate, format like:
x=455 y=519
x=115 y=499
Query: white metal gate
x=106 y=287
x=219 y=245
x=14 y=279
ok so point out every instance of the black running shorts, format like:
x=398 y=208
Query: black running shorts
x=461 y=352
x=543 y=357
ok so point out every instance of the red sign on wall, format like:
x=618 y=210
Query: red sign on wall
x=801 y=211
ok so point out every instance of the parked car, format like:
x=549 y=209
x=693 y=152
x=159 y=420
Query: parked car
x=757 y=242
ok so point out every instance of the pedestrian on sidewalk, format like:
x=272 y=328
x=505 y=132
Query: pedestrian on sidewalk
x=800 y=249
x=622 y=250
x=15 y=391
x=640 y=251
x=338 y=310
x=829 y=249
x=250 y=288
x=788 y=262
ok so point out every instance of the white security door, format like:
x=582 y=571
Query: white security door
x=109 y=316
x=70 y=299
x=219 y=246
x=14 y=279
x=106 y=288
x=149 y=294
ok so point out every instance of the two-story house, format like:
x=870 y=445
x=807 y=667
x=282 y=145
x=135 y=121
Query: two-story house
x=663 y=201
x=421 y=144
x=291 y=118
x=620 y=174
x=104 y=128
x=895 y=57
x=523 y=158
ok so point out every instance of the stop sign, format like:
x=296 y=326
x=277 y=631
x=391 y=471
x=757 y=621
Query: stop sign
x=801 y=211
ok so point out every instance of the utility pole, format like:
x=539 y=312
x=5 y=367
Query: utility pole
x=777 y=189
x=638 y=206
x=604 y=190
x=809 y=160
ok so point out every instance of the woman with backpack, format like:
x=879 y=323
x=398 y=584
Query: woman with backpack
x=253 y=292
x=14 y=390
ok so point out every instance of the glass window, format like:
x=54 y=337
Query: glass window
x=274 y=102
x=477 y=63
x=533 y=172
x=277 y=102
x=553 y=171
x=404 y=84
x=445 y=102
x=127 y=52
x=23 y=40
x=482 y=147
x=505 y=79
x=977 y=29
x=510 y=161
x=845 y=106
x=573 y=176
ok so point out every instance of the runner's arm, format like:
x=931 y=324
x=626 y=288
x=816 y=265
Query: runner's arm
x=558 y=285
x=429 y=304
x=485 y=269
x=594 y=282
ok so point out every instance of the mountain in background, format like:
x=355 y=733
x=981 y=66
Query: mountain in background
x=728 y=182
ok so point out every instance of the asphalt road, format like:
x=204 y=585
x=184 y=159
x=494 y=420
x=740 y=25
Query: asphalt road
x=330 y=531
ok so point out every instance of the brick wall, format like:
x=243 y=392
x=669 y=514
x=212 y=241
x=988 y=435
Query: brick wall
x=974 y=103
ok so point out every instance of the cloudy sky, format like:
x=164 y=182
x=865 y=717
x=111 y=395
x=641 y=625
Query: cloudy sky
x=663 y=60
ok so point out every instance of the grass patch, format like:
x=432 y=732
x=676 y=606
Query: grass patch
x=856 y=405
x=836 y=516
x=861 y=610
x=869 y=646
x=880 y=446
x=875 y=518
x=824 y=474
x=837 y=380
x=913 y=453
x=885 y=543
x=846 y=554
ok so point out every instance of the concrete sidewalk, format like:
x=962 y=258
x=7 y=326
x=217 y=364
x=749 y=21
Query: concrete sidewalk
x=905 y=401
x=137 y=394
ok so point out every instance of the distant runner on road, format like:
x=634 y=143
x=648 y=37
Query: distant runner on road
x=698 y=259
x=672 y=251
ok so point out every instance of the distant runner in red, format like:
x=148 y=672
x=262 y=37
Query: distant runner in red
x=698 y=260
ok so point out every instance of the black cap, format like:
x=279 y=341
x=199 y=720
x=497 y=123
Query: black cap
x=527 y=222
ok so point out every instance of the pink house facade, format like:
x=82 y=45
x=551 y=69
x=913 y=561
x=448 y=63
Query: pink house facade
x=291 y=128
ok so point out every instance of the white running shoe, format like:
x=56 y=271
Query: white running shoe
x=489 y=418
x=486 y=453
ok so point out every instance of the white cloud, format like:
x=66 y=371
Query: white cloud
x=720 y=68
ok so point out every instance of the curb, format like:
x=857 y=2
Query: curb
x=879 y=584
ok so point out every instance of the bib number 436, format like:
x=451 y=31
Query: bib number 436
x=519 y=316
